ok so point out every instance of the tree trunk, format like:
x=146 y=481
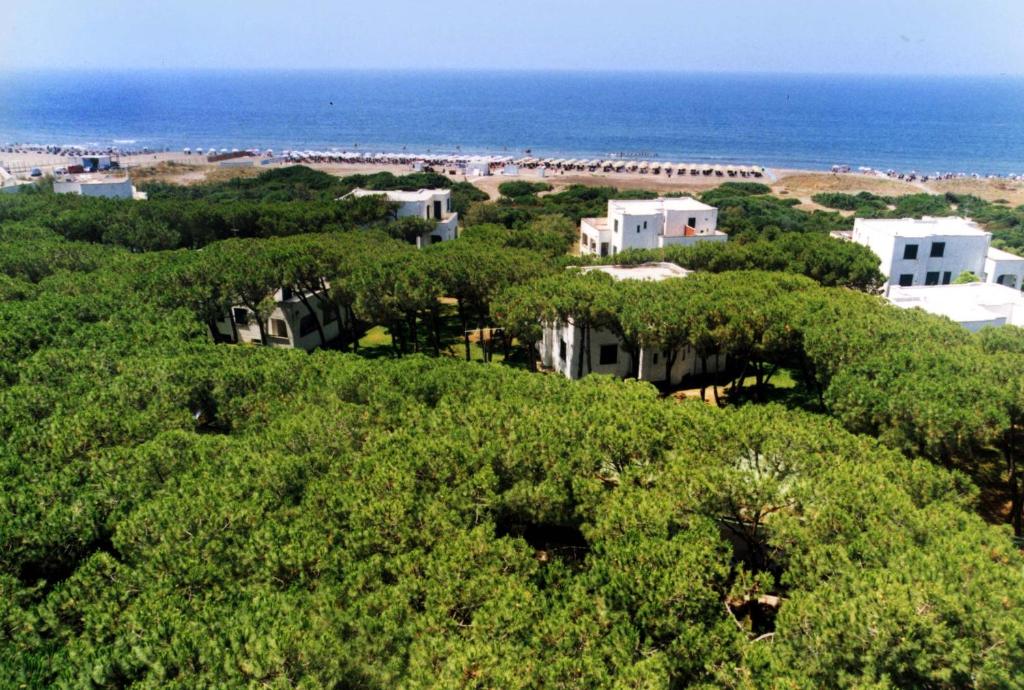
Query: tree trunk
x=435 y=323
x=311 y=312
x=263 y=331
x=414 y=336
x=590 y=355
x=464 y=319
x=703 y=376
x=353 y=329
x=670 y=361
x=584 y=349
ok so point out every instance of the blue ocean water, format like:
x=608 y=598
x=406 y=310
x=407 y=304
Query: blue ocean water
x=928 y=124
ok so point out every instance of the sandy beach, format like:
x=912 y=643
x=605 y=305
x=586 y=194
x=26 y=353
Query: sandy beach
x=178 y=168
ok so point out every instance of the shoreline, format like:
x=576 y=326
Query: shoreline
x=797 y=183
x=23 y=155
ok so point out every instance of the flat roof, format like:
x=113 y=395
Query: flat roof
x=920 y=227
x=969 y=302
x=655 y=270
x=399 y=194
x=1000 y=255
x=659 y=205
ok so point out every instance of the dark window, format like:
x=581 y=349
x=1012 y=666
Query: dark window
x=286 y=293
x=638 y=228
x=692 y=221
x=938 y=249
x=615 y=227
x=604 y=249
x=561 y=350
x=906 y=280
x=434 y=239
x=241 y=315
x=307 y=324
x=437 y=210
x=609 y=354
x=931 y=278
x=655 y=358
x=946 y=277
x=330 y=314
x=910 y=251
x=278 y=328
x=645 y=225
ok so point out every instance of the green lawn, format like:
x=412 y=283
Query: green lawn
x=376 y=342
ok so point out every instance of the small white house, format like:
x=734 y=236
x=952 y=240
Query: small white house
x=478 y=167
x=98 y=185
x=649 y=224
x=1004 y=268
x=972 y=305
x=562 y=347
x=934 y=251
x=431 y=204
x=290 y=324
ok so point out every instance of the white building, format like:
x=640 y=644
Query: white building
x=98 y=185
x=972 y=305
x=431 y=204
x=289 y=325
x=10 y=184
x=562 y=348
x=934 y=251
x=478 y=167
x=649 y=224
x=1004 y=268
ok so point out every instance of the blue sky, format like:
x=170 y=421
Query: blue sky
x=820 y=36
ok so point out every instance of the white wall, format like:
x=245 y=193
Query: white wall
x=291 y=312
x=652 y=363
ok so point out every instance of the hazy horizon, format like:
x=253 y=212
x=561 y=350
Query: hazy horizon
x=872 y=37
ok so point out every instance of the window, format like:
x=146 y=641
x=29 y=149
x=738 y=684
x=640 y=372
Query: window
x=241 y=316
x=906 y=280
x=609 y=354
x=286 y=294
x=638 y=227
x=307 y=324
x=330 y=314
x=909 y=252
x=615 y=227
x=692 y=221
x=645 y=225
x=561 y=350
x=655 y=361
x=945 y=277
x=931 y=278
x=278 y=328
x=938 y=250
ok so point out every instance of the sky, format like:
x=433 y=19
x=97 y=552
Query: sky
x=942 y=37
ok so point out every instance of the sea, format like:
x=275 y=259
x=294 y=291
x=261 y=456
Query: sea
x=926 y=124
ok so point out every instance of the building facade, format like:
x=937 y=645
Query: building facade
x=290 y=323
x=562 y=346
x=430 y=204
x=934 y=251
x=649 y=224
x=99 y=186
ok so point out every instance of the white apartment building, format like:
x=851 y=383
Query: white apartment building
x=431 y=204
x=98 y=185
x=290 y=324
x=562 y=348
x=649 y=224
x=934 y=251
x=972 y=305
